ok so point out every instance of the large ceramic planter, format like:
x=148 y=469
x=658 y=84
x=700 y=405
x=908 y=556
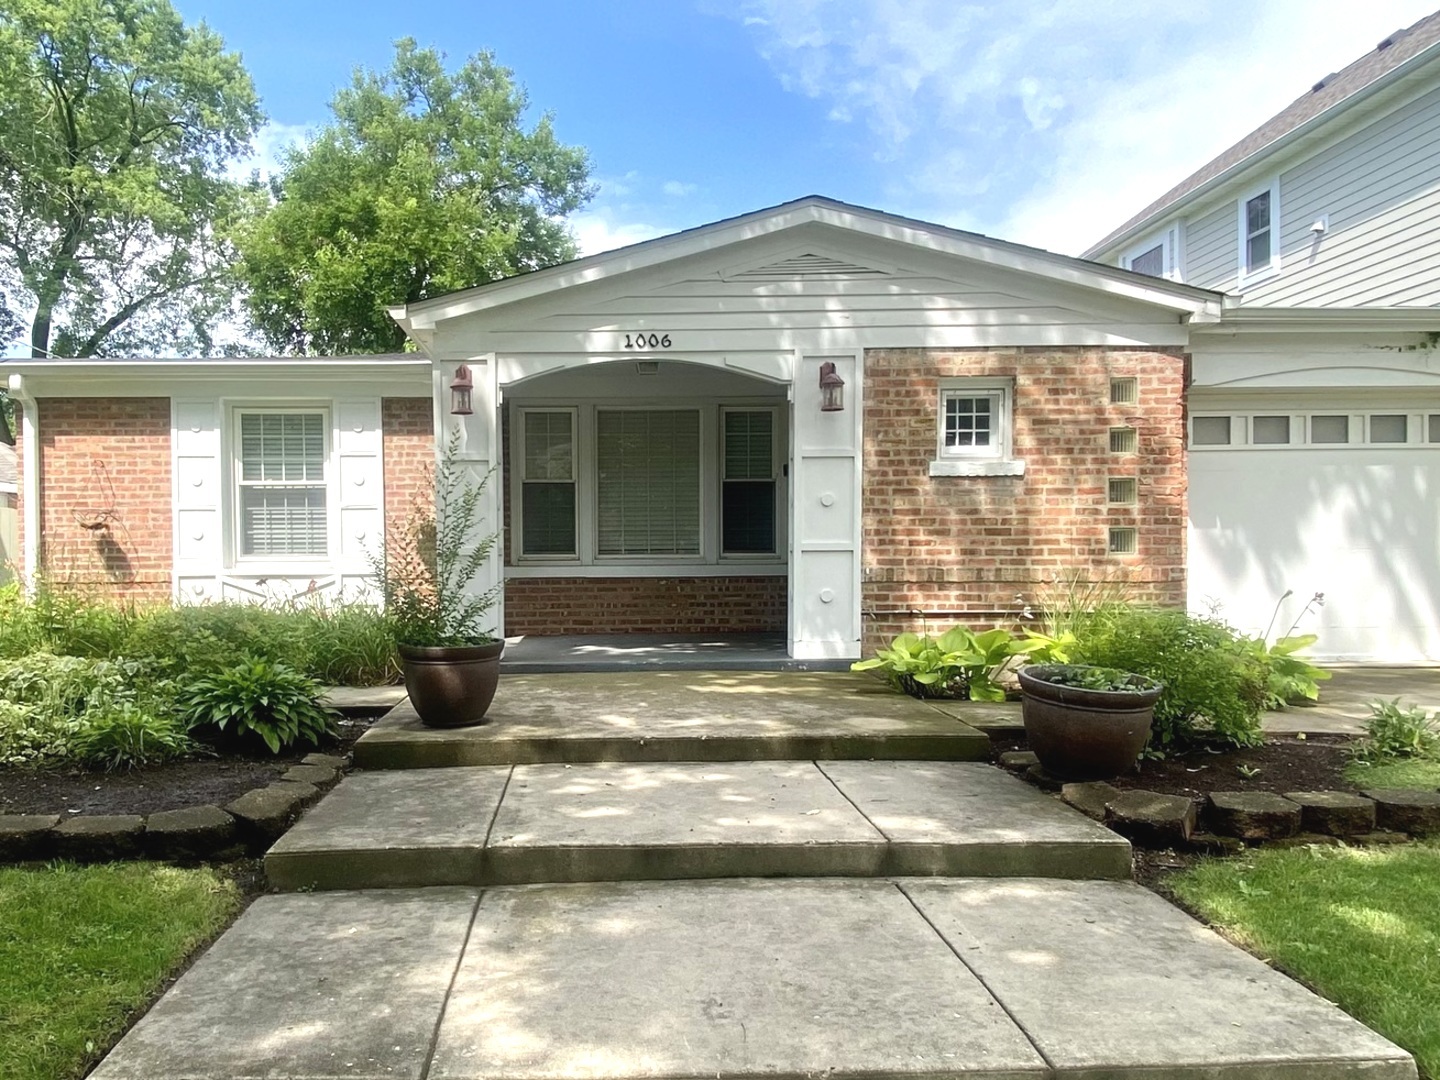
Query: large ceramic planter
x=1081 y=734
x=451 y=686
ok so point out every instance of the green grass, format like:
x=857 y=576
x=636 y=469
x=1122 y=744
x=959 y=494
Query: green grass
x=83 y=948
x=1395 y=773
x=1359 y=925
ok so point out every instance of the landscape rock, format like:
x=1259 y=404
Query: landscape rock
x=327 y=761
x=197 y=832
x=1402 y=810
x=99 y=837
x=1150 y=818
x=1019 y=759
x=1253 y=815
x=26 y=836
x=263 y=814
x=1037 y=775
x=319 y=775
x=1089 y=799
x=1335 y=813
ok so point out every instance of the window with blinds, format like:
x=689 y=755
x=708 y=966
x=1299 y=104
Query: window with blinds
x=747 y=504
x=282 y=488
x=647 y=481
x=547 y=482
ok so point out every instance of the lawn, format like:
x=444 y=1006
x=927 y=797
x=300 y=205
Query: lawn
x=1359 y=925
x=1395 y=773
x=82 y=949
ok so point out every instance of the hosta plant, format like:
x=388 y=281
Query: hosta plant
x=958 y=663
x=257 y=698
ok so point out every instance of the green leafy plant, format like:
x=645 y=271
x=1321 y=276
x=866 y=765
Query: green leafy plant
x=1393 y=731
x=959 y=663
x=1089 y=677
x=1215 y=684
x=427 y=565
x=256 y=698
x=125 y=736
x=1292 y=678
x=1072 y=604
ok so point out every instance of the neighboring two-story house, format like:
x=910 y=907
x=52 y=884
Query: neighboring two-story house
x=1314 y=405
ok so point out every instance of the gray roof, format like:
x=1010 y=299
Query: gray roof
x=1329 y=92
x=9 y=471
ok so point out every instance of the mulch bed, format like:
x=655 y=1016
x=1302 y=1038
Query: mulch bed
x=173 y=786
x=1283 y=763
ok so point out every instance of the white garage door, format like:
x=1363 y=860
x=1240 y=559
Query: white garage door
x=1341 y=503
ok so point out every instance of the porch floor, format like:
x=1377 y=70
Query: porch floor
x=673 y=652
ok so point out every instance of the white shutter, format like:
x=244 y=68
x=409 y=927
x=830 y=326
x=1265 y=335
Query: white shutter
x=360 y=492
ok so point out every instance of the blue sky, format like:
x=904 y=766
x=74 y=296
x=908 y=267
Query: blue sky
x=1042 y=122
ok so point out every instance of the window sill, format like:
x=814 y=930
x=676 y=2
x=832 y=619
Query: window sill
x=958 y=467
x=648 y=570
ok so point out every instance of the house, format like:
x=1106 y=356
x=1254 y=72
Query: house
x=1314 y=405
x=815 y=420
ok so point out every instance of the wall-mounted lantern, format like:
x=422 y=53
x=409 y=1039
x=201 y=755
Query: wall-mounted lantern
x=832 y=389
x=460 y=388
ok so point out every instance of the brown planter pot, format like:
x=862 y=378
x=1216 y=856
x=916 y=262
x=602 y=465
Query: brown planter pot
x=451 y=686
x=1083 y=734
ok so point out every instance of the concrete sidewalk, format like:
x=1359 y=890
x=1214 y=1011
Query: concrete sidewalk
x=944 y=978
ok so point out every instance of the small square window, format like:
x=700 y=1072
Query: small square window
x=974 y=419
x=1270 y=430
x=1123 y=542
x=1434 y=428
x=1389 y=428
x=1123 y=440
x=1123 y=490
x=1330 y=429
x=1124 y=391
x=1210 y=431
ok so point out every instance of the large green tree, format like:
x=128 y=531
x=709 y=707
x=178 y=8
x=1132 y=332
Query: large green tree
x=116 y=124
x=424 y=182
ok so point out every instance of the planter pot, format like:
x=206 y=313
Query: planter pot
x=1081 y=734
x=451 y=686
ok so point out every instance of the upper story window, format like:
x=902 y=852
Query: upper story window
x=1155 y=256
x=1259 y=234
x=281 y=484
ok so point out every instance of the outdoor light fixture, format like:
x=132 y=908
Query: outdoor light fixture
x=832 y=389
x=460 y=388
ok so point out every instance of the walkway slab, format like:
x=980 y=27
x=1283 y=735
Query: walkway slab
x=679 y=716
x=341 y=985
x=1108 y=979
x=960 y=818
x=718 y=979
x=387 y=829
x=663 y=821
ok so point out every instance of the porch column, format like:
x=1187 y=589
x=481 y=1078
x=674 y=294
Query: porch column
x=473 y=442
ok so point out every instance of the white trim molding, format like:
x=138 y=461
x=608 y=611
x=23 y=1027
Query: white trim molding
x=1245 y=274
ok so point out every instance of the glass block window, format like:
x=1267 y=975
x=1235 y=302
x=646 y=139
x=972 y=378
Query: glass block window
x=1123 y=490
x=747 y=510
x=1124 y=391
x=648 y=481
x=282 y=485
x=1123 y=541
x=1124 y=440
x=547 y=482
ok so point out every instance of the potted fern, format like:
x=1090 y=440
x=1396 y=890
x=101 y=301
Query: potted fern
x=448 y=648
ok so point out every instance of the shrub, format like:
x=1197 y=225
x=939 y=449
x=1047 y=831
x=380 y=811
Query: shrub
x=30 y=737
x=256 y=698
x=1395 y=732
x=1215 y=684
x=956 y=664
x=1292 y=677
x=19 y=631
x=350 y=645
x=123 y=735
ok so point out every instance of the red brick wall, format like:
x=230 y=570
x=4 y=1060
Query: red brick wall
x=105 y=519
x=407 y=431
x=695 y=605
x=960 y=549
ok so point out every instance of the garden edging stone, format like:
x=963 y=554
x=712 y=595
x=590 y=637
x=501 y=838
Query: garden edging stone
x=1334 y=813
x=191 y=833
x=1406 y=810
x=265 y=813
x=95 y=837
x=1253 y=815
x=26 y=836
x=1150 y=818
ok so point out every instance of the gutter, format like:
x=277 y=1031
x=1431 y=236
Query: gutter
x=30 y=468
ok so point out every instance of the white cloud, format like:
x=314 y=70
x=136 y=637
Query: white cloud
x=267 y=149
x=1051 y=121
x=601 y=229
x=677 y=190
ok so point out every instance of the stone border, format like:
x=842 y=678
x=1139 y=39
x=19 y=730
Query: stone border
x=1226 y=821
x=246 y=826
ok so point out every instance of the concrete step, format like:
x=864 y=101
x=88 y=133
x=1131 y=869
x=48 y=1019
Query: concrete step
x=680 y=716
x=625 y=822
x=896 y=980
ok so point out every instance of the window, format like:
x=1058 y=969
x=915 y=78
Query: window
x=1270 y=430
x=647 y=481
x=747 y=482
x=1389 y=428
x=1433 y=425
x=1260 y=231
x=282 y=487
x=1210 y=431
x=1155 y=255
x=973 y=420
x=547 y=482
x=1124 y=391
x=1150 y=262
x=1124 y=440
x=1123 y=490
x=1123 y=541
x=1321 y=429
x=1330 y=429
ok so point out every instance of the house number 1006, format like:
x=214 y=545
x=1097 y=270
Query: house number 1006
x=647 y=341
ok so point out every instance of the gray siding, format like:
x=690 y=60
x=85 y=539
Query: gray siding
x=1210 y=253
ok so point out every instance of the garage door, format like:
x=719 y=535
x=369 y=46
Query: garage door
x=1322 y=501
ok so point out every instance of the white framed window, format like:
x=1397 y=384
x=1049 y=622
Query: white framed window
x=547 y=483
x=282 y=485
x=1157 y=255
x=1323 y=428
x=974 y=429
x=749 y=468
x=1259 y=232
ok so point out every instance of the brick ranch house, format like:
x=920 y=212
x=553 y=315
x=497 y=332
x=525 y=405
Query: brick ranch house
x=656 y=417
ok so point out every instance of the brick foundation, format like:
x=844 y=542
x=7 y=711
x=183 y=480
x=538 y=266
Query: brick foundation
x=105 y=518
x=645 y=605
x=962 y=549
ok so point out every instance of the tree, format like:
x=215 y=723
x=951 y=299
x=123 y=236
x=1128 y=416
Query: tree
x=423 y=183
x=116 y=122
